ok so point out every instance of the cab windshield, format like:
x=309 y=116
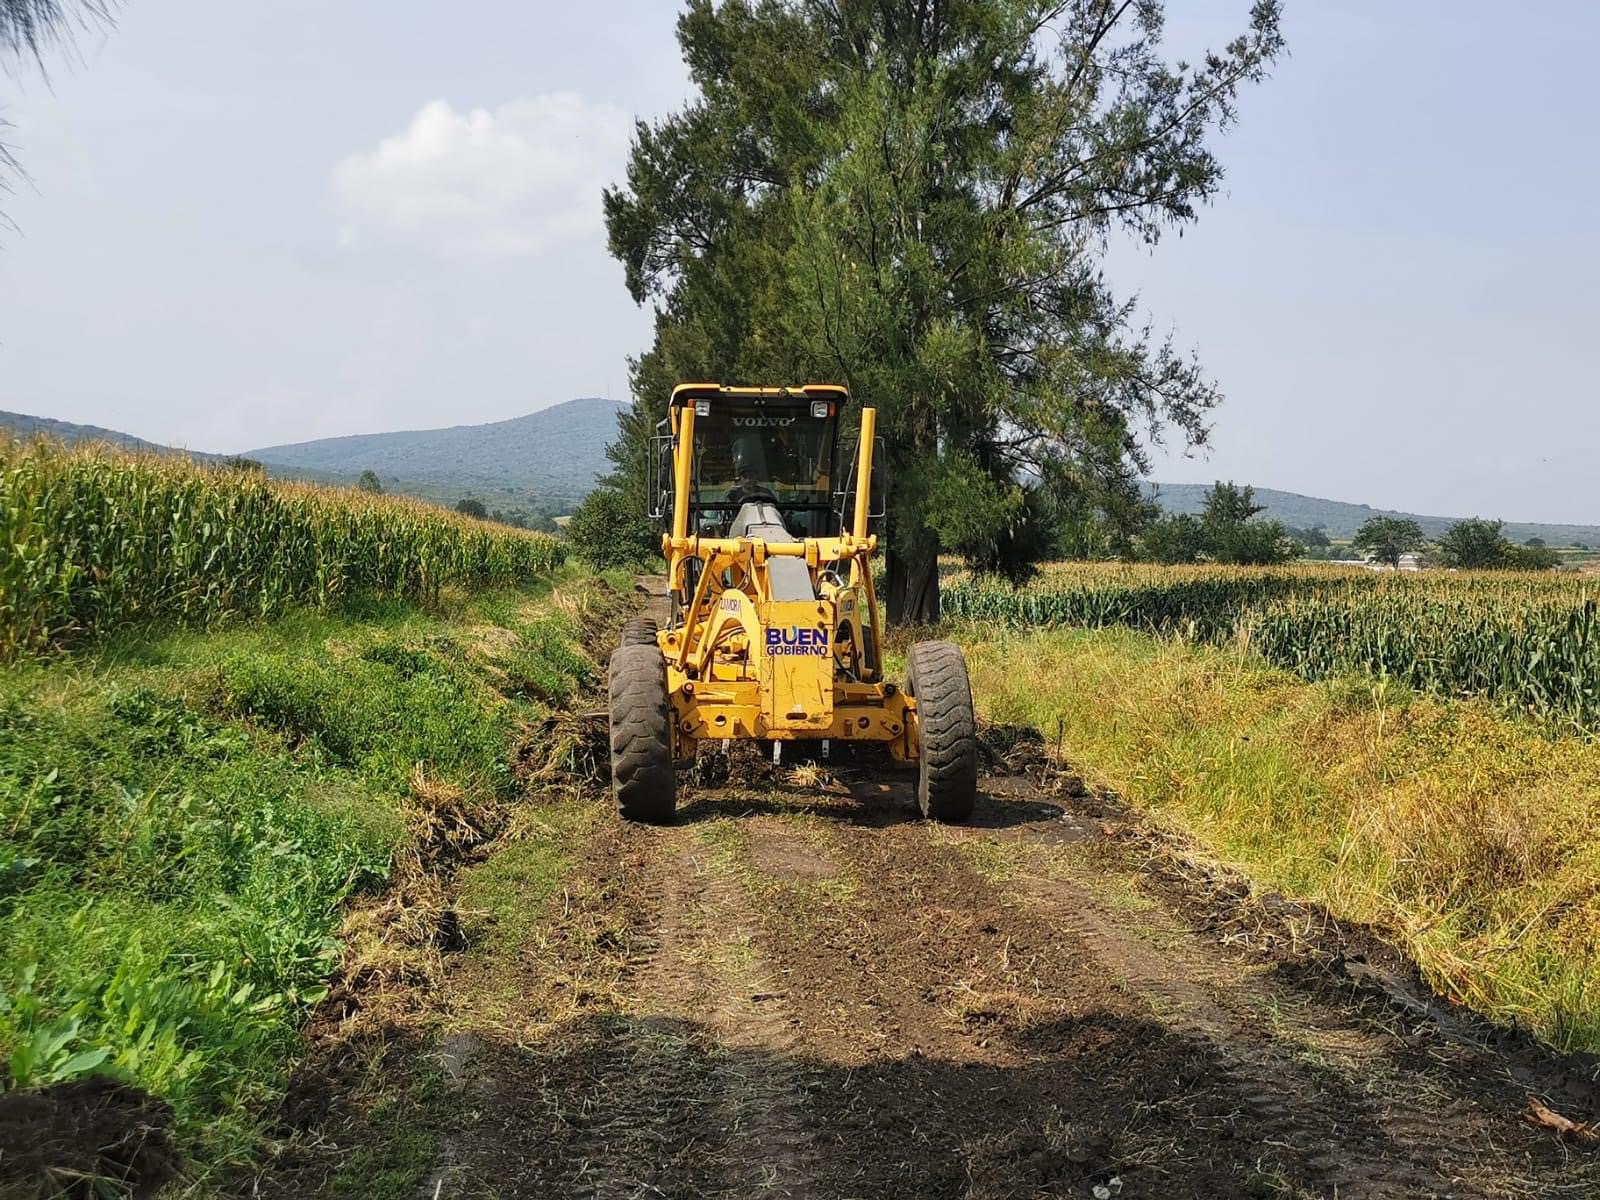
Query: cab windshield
x=781 y=451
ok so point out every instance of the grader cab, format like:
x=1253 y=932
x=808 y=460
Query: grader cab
x=774 y=634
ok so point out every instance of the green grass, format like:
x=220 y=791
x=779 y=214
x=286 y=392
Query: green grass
x=182 y=818
x=504 y=897
x=401 y=1142
x=1472 y=839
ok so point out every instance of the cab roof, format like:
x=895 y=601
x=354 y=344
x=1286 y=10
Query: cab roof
x=686 y=392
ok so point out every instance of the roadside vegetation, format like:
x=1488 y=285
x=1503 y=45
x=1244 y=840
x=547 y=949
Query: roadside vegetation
x=185 y=817
x=1469 y=838
x=1529 y=642
x=236 y=713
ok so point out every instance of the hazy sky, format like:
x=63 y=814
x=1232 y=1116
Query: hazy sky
x=257 y=223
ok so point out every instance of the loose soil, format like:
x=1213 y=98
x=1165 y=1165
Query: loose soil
x=800 y=990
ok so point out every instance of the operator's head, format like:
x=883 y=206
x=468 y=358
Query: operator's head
x=749 y=463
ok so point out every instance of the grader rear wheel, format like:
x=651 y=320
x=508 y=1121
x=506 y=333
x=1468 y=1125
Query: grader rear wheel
x=947 y=737
x=641 y=736
x=638 y=631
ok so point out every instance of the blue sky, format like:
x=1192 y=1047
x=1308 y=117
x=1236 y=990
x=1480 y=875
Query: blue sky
x=251 y=224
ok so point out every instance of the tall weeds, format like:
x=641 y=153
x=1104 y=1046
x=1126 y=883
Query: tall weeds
x=1472 y=840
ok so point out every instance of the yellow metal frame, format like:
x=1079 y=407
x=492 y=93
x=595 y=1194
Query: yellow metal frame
x=743 y=665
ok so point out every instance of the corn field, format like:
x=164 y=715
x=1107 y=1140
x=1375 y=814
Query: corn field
x=93 y=540
x=1529 y=642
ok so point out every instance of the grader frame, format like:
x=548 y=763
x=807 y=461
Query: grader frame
x=775 y=637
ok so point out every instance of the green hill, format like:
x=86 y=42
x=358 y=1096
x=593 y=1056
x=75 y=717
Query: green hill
x=552 y=456
x=548 y=460
x=26 y=427
x=1341 y=519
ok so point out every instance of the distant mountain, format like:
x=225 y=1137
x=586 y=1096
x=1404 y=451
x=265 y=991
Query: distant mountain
x=549 y=460
x=553 y=454
x=25 y=427
x=1341 y=520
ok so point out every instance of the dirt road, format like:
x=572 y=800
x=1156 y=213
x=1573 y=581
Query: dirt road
x=801 y=991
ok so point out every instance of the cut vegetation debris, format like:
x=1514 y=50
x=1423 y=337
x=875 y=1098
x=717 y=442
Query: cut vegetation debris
x=1470 y=839
x=186 y=817
x=1531 y=643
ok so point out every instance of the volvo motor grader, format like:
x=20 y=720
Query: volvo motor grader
x=774 y=634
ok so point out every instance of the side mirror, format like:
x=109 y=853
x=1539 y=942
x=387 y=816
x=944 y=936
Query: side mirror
x=660 y=473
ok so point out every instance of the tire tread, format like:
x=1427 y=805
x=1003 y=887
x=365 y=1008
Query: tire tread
x=642 y=779
x=638 y=631
x=947 y=771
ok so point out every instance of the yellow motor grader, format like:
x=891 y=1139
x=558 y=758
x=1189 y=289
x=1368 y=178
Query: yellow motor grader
x=774 y=632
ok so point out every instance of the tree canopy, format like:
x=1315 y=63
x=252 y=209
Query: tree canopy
x=914 y=198
x=1385 y=539
x=1226 y=531
x=30 y=27
x=1476 y=544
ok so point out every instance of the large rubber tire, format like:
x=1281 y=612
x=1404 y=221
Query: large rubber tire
x=641 y=736
x=947 y=732
x=638 y=631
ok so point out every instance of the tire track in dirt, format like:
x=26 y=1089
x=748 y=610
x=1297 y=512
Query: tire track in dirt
x=801 y=991
x=675 y=1079
x=1288 y=1100
x=947 y=1060
x=1012 y=1033
x=1306 y=1065
x=707 y=971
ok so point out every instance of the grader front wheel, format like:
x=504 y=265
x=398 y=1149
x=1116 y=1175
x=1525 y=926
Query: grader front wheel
x=641 y=735
x=947 y=736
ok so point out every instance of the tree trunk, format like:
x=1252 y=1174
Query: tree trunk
x=913 y=588
x=911 y=558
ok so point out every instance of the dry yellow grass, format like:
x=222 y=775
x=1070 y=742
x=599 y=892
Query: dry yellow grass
x=1472 y=839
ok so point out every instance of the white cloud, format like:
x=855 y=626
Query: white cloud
x=512 y=180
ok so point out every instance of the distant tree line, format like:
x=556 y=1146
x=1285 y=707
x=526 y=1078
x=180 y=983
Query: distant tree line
x=1229 y=529
x=1473 y=544
x=608 y=530
x=517 y=518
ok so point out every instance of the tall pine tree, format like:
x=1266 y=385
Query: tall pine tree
x=914 y=198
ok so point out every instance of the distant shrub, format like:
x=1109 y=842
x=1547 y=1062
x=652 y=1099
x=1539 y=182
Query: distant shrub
x=608 y=531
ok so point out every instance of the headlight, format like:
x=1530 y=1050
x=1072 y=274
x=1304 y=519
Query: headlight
x=821 y=409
